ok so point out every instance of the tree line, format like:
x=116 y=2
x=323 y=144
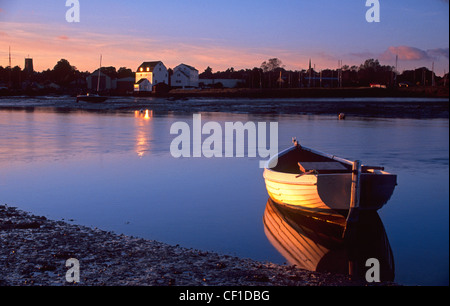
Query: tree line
x=271 y=74
x=63 y=75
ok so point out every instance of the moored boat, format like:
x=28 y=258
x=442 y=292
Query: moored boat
x=314 y=181
x=94 y=98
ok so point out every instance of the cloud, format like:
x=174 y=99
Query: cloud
x=439 y=52
x=405 y=53
x=63 y=37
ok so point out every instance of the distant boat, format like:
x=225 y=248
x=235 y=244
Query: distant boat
x=94 y=98
x=317 y=182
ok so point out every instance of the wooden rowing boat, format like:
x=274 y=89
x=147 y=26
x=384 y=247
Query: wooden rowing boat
x=311 y=180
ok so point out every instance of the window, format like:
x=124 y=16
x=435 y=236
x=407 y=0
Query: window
x=160 y=69
x=148 y=68
x=141 y=69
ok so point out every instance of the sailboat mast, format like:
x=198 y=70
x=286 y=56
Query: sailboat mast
x=10 y=69
x=98 y=81
x=433 y=83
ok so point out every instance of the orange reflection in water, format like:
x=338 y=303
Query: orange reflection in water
x=142 y=139
x=145 y=114
x=314 y=242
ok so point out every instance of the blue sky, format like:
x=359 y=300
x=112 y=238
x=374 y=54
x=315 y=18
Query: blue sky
x=223 y=34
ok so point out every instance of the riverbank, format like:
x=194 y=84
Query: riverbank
x=347 y=92
x=34 y=251
x=262 y=93
x=415 y=108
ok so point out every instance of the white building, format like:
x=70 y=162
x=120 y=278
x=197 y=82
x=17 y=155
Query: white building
x=184 y=76
x=153 y=72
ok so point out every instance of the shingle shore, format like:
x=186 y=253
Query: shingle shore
x=34 y=250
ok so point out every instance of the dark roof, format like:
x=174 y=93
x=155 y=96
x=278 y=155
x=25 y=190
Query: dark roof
x=150 y=65
x=141 y=80
x=190 y=67
x=104 y=71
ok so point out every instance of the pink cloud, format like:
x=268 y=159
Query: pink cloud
x=405 y=53
x=63 y=37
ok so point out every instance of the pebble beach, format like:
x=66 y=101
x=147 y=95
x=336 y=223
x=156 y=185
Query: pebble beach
x=34 y=251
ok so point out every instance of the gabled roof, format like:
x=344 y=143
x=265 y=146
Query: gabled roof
x=141 y=81
x=190 y=67
x=146 y=65
x=103 y=71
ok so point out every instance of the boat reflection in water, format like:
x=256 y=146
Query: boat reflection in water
x=315 y=242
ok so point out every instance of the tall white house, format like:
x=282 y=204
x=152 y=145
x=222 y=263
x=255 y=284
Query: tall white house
x=184 y=76
x=150 y=74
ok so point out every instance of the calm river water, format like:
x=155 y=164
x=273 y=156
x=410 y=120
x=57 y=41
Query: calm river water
x=115 y=172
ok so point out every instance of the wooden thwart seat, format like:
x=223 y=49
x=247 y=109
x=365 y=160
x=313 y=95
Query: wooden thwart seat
x=322 y=167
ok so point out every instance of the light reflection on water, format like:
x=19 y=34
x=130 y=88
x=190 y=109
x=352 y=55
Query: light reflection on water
x=115 y=172
x=316 y=243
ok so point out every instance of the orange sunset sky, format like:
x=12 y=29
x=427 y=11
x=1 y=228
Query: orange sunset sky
x=224 y=34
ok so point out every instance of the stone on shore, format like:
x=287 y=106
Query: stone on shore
x=34 y=250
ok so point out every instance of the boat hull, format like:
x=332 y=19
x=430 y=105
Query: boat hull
x=328 y=193
x=91 y=99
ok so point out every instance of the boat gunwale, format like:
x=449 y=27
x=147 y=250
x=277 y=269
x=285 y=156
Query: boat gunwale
x=330 y=156
x=333 y=157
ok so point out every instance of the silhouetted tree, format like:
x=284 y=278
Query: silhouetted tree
x=207 y=74
x=370 y=64
x=420 y=76
x=110 y=71
x=271 y=64
x=124 y=72
x=372 y=72
x=63 y=73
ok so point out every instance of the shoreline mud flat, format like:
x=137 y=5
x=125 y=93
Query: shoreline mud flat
x=408 y=108
x=34 y=251
x=345 y=92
